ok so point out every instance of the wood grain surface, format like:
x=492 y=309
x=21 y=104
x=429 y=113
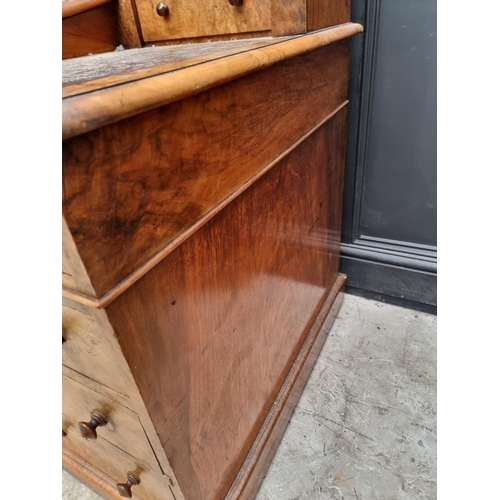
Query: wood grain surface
x=194 y=19
x=300 y=16
x=134 y=190
x=254 y=469
x=74 y=274
x=83 y=113
x=94 y=31
x=128 y=24
x=73 y=7
x=80 y=76
x=324 y=13
x=211 y=333
x=288 y=17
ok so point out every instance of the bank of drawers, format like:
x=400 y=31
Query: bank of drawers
x=116 y=464
x=92 y=383
x=123 y=428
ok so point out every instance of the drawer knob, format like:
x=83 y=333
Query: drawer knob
x=124 y=488
x=88 y=429
x=162 y=9
x=236 y=3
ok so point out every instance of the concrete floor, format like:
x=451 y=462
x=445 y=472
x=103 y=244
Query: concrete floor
x=365 y=426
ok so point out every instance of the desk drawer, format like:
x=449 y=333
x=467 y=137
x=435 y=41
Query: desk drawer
x=122 y=426
x=87 y=350
x=188 y=19
x=115 y=463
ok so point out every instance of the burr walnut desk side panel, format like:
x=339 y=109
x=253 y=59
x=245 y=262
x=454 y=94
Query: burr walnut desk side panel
x=204 y=235
x=212 y=331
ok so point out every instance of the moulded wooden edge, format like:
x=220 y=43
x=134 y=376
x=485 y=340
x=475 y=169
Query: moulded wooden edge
x=73 y=7
x=255 y=466
x=74 y=83
x=86 y=112
x=120 y=287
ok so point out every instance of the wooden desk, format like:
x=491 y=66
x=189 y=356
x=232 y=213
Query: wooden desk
x=202 y=197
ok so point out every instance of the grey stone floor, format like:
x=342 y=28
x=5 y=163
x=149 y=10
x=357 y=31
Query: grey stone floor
x=365 y=426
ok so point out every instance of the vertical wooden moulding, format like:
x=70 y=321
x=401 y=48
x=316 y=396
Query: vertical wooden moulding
x=128 y=25
x=301 y=16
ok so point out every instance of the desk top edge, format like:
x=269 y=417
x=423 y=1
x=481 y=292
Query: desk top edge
x=102 y=106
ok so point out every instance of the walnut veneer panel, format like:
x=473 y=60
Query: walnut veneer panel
x=131 y=188
x=74 y=7
x=212 y=331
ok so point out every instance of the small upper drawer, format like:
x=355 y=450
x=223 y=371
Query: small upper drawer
x=189 y=19
x=122 y=427
x=87 y=350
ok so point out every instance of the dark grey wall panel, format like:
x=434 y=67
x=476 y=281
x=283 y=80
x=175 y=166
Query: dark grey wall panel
x=389 y=230
x=399 y=196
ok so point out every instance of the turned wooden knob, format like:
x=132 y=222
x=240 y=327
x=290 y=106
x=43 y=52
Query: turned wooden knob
x=162 y=9
x=124 y=488
x=88 y=429
x=236 y=3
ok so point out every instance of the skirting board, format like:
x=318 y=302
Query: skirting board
x=388 y=299
x=415 y=288
x=259 y=457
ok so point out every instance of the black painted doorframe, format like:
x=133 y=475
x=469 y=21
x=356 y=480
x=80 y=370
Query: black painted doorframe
x=396 y=263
